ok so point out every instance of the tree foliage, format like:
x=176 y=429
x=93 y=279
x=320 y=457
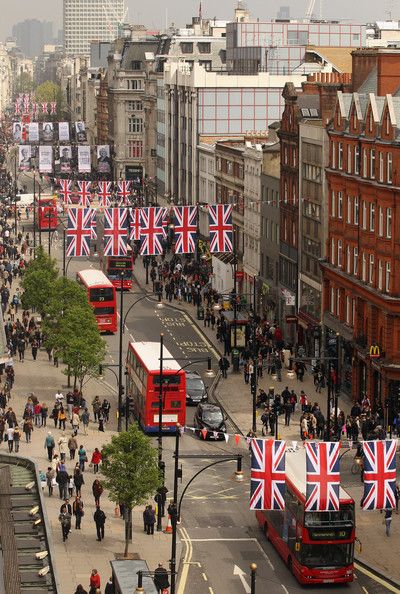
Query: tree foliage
x=24 y=83
x=38 y=282
x=130 y=468
x=48 y=92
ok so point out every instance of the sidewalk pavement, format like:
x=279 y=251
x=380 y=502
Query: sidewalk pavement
x=75 y=558
x=235 y=397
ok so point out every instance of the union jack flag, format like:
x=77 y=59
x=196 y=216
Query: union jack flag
x=104 y=194
x=165 y=217
x=93 y=224
x=379 y=474
x=221 y=228
x=134 y=224
x=53 y=107
x=66 y=191
x=124 y=190
x=35 y=108
x=84 y=192
x=44 y=108
x=17 y=107
x=27 y=101
x=151 y=231
x=267 y=490
x=185 y=229
x=115 y=231
x=323 y=476
x=79 y=231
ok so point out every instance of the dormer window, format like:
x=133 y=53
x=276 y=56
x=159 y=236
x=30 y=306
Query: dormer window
x=355 y=120
x=387 y=124
x=370 y=122
x=338 y=118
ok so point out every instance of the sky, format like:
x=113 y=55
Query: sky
x=153 y=13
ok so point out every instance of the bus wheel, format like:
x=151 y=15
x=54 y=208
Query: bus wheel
x=266 y=531
x=290 y=565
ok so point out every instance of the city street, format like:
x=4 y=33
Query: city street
x=218 y=532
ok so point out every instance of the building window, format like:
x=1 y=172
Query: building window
x=294 y=158
x=387 y=278
x=332 y=303
x=370 y=122
x=353 y=311
x=339 y=253
x=134 y=106
x=364 y=268
x=135 y=149
x=371 y=269
x=340 y=155
x=364 y=215
x=372 y=217
x=355 y=261
x=340 y=205
x=349 y=157
x=333 y=205
x=186 y=47
x=348 y=310
x=389 y=168
x=380 y=275
x=294 y=194
x=356 y=210
x=136 y=65
x=285 y=155
x=206 y=64
x=134 y=84
x=357 y=160
x=333 y=155
x=294 y=234
x=135 y=125
x=338 y=118
x=388 y=223
x=355 y=120
x=332 y=251
x=372 y=163
x=381 y=165
x=204 y=47
x=285 y=192
x=365 y=160
x=338 y=302
x=348 y=260
x=348 y=210
x=380 y=222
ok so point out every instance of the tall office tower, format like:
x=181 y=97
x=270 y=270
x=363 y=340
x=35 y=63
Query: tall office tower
x=31 y=35
x=89 y=20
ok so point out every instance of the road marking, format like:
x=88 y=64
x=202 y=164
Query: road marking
x=241 y=574
x=377 y=579
x=205 y=578
x=186 y=561
x=365 y=589
x=285 y=589
x=202 y=336
x=210 y=590
x=264 y=554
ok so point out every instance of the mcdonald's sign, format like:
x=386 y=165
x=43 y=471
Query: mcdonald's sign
x=374 y=352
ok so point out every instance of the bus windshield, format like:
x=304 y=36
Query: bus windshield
x=101 y=294
x=345 y=516
x=167 y=380
x=327 y=555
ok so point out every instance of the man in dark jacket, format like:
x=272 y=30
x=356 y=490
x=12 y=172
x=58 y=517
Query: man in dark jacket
x=62 y=479
x=161 y=581
x=100 y=519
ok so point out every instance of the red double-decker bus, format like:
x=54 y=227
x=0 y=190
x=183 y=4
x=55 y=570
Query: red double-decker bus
x=47 y=214
x=318 y=547
x=113 y=266
x=102 y=297
x=143 y=387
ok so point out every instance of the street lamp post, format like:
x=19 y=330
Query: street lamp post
x=160 y=410
x=121 y=327
x=235 y=302
x=34 y=211
x=253 y=568
x=253 y=380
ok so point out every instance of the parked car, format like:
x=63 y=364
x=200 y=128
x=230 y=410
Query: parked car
x=209 y=421
x=196 y=391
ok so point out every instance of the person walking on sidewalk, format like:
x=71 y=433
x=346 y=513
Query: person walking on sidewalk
x=27 y=428
x=224 y=366
x=65 y=521
x=78 y=480
x=62 y=417
x=85 y=418
x=62 y=479
x=17 y=438
x=96 y=459
x=82 y=458
x=387 y=520
x=94 y=584
x=288 y=411
x=99 y=519
x=44 y=413
x=97 y=490
x=10 y=438
x=150 y=519
x=62 y=446
x=77 y=510
x=49 y=444
x=50 y=476
x=72 y=446
x=34 y=346
x=160 y=579
x=21 y=349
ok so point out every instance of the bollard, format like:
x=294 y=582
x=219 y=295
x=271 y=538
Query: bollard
x=139 y=587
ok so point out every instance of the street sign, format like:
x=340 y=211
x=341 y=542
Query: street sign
x=291 y=319
x=239 y=275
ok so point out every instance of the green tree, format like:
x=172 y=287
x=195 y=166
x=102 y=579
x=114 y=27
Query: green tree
x=38 y=282
x=79 y=343
x=48 y=92
x=24 y=83
x=130 y=467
